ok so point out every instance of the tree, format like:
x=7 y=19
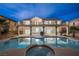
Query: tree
x=63 y=31
x=72 y=30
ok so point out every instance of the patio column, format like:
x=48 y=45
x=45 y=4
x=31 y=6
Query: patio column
x=56 y=27
x=18 y=28
x=30 y=28
x=73 y=29
x=22 y=28
x=67 y=30
x=43 y=27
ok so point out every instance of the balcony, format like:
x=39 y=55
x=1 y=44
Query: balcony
x=26 y=22
x=37 y=23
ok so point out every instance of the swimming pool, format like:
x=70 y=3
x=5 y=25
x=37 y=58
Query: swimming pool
x=55 y=42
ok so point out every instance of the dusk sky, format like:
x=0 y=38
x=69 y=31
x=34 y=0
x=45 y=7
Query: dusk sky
x=20 y=11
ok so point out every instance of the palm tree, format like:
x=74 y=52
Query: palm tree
x=72 y=30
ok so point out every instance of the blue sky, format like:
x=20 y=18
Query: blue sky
x=20 y=11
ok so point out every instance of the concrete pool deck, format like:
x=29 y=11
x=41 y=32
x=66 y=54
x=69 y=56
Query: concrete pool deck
x=58 y=52
x=11 y=35
x=6 y=36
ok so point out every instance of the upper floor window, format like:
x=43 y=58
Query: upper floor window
x=49 y=22
x=46 y=22
x=26 y=22
x=58 y=22
x=37 y=21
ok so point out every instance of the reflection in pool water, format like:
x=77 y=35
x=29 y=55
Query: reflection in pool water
x=55 y=42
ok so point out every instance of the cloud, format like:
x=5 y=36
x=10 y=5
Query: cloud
x=23 y=14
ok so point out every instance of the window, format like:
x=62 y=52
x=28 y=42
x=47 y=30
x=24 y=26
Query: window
x=46 y=22
x=26 y=30
x=37 y=21
x=26 y=22
x=50 y=30
x=36 y=30
x=58 y=22
x=50 y=22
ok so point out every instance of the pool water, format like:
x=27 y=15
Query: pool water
x=55 y=42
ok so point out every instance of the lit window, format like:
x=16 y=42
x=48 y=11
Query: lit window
x=37 y=29
x=58 y=22
x=46 y=22
x=26 y=22
x=49 y=22
x=36 y=21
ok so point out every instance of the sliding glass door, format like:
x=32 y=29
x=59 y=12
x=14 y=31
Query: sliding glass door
x=26 y=31
x=50 y=31
x=36 y=30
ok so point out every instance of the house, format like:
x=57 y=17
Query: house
x=7 y=25
x=74 y=25
x=33 y=27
